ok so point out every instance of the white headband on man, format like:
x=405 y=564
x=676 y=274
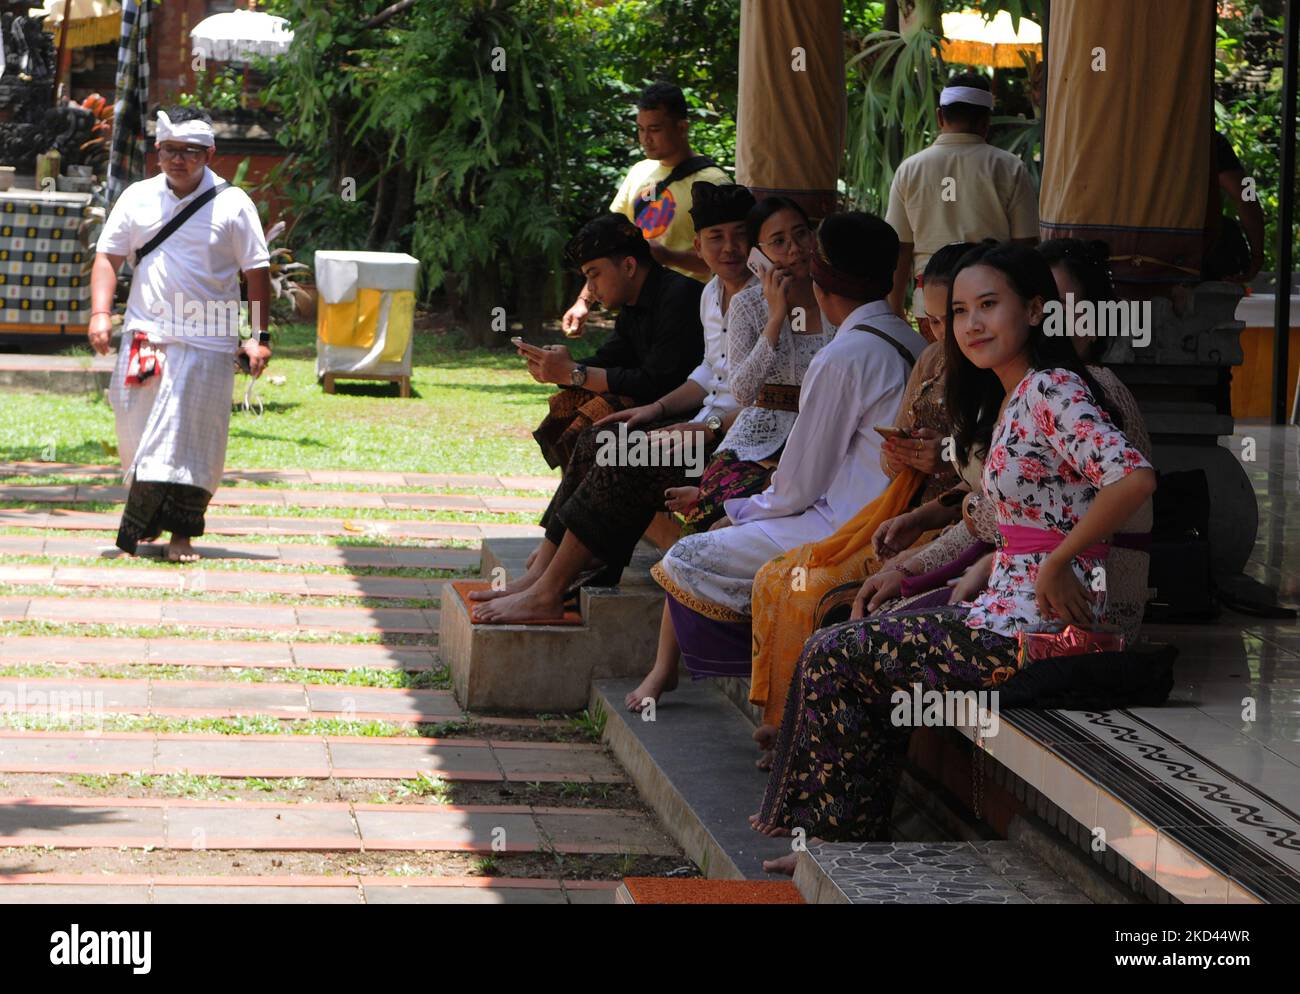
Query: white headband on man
x=966 y=95
x=194 y=132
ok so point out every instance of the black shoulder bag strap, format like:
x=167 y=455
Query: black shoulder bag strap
x=687 y=167
x=167 y=229
x=902 y=350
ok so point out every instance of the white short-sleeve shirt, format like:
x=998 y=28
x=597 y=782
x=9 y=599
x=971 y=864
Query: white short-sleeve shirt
x=187 y=289
x=711 y=373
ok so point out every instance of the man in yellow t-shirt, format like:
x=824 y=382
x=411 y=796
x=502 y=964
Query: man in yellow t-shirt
x=656 y=192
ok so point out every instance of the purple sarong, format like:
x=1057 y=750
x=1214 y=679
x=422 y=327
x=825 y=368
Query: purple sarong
x=711 y=648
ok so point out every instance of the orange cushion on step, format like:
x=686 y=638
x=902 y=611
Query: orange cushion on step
x=465 y=587
x=695 y=890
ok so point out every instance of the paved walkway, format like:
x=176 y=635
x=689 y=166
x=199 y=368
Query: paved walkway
x=288 y=554
x=362 y=478
x=71 y=888
x=181 y=824
x=57 y=844
x=257 y=525
x=224 y=582
x=224 y=653
x=220 y=614
x=309 y=756
x=275 y=497
x=223 y=698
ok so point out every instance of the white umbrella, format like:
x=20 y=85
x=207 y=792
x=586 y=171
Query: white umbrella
x=970 y=40
x=238 y=35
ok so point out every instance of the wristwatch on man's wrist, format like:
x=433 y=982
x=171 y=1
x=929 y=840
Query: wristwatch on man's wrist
x=713 y=423
x=578 y=375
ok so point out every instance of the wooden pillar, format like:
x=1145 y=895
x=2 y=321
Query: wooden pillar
x=790 y=124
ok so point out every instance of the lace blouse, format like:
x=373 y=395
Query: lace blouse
x=759 y=433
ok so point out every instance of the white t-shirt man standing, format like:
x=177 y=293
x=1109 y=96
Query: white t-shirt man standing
x=171 y=388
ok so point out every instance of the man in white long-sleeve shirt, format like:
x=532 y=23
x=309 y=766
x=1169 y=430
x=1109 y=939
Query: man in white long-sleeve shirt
x=831 y=464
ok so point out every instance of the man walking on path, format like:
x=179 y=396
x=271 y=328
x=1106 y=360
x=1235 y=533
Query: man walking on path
x=171 y=388
x=960 y=189
x=656 y=192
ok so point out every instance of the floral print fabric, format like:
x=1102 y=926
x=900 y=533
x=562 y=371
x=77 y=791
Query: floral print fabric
x=1053 y=448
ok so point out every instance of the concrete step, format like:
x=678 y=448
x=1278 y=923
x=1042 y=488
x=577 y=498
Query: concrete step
x=992 y=872
x=59 y=518
x=122 y=888
x=550 y=667
x=206 y=652
x=230 y=615
x=694 y=764
x=182 y=579
x=56 y=373
x=336 y=477
x=109 y=823
x=277 y=497
x=308 y=756
x=223 y=699
x=303 y=554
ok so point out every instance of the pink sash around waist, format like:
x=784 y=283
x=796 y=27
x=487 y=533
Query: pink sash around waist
x=1022 y=540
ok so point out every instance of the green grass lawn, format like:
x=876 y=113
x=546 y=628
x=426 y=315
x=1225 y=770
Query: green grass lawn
x=473 y=411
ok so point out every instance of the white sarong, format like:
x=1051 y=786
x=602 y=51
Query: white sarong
x=715 y=570
x=174 y=428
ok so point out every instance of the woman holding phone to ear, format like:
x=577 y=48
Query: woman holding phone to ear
x=774 y=329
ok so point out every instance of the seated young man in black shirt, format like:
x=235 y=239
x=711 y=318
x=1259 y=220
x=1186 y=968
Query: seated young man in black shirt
x=611 y=490
x=656 y=343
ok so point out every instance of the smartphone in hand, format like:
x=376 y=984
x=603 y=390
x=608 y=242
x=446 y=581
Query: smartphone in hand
x=757 y=262
x=891 y=432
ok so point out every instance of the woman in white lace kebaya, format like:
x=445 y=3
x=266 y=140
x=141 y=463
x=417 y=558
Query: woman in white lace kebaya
x=773 y=331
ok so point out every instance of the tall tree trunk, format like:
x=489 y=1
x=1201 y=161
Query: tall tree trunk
x=383 y=211
x=531 y=284
x=482 y=295
x=403 y=207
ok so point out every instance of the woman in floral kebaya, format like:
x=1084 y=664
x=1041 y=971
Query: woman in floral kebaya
x=1063 y=478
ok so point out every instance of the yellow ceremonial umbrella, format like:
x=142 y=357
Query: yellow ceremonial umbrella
x=91 y=22
x=969 y=40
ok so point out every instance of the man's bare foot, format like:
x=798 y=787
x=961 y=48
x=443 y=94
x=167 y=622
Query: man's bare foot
x=530 y=604
x=652 y=686
x=531 y=575
x=783 y=865
x=764 y=762
x=179 y=550
x=765 y=736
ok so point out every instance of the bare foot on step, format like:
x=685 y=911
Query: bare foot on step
x=531 y=576
x=530 y=604
x=652 y=686
x=783 y=865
